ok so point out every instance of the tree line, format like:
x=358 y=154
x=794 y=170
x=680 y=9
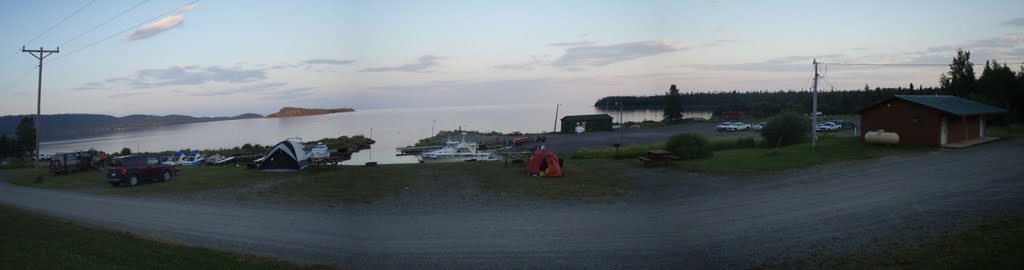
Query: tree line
x=998 y=85
x=23 y=143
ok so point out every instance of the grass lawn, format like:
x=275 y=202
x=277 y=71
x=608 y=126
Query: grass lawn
x=759 y=160
x=30 y=241
x=353 y=184
x=1010 y=131
x=997 y=244
x=581 y=179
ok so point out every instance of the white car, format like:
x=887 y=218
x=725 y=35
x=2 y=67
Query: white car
x=738 y=126
x=828 y=126
x=758 y=126
x=723 y=126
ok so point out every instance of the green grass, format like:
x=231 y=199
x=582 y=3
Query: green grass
x=582 y=179
x=1009 y=131
x=188 y=179
x=627 y=152
x=759 y=160
x=30 y=241
x=997 y=244
x=353 y=184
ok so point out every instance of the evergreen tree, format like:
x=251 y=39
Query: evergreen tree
x=960 y=81
x=26 y=141
x=673 y=105
x=5 y=146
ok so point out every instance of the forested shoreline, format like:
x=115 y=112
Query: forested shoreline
x=998 y=85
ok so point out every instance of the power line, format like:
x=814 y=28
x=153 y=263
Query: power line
x=60 y=22
x=121 y=32
x=104 y=23
x=16 y=81
x=8 y=62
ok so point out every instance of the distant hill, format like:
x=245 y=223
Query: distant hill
x=292 y=112
x=72 y=126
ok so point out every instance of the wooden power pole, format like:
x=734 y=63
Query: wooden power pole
x=39 y=54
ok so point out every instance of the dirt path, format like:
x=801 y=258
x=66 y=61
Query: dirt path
x=680 y=221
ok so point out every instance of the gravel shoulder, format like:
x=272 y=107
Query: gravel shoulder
x=677 y=220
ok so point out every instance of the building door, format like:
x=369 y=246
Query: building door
x=944 y=127
x=981 y=127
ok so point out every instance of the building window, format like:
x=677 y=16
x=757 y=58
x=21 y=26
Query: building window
x=915 y=120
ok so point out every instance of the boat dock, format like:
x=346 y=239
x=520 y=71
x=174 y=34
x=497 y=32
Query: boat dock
x=413 y=150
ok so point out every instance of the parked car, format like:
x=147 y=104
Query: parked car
x=827 y=126
x=846 y=124
x=65 y=163
x=758 y=126
x=134 y=169
x=738 y=126
x=723 y=126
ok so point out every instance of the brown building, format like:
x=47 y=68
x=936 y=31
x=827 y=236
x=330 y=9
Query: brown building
x=928 y=120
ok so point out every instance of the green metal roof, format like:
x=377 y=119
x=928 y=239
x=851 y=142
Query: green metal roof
x=586 y=117
x=948 y=104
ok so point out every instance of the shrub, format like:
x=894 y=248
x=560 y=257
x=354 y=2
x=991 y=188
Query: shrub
x=785 y=129
x=689 y=146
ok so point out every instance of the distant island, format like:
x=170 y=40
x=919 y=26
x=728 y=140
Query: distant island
x=293 y=112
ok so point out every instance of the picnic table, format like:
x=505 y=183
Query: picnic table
x=658 y=156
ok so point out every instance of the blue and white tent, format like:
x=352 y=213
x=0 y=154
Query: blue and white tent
x=286 y=156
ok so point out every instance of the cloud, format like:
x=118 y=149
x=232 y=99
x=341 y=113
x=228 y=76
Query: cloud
x=193 y=75
x=328 y=62
x=186 y=8
x=576 y=58
x=157 y=27
x=423 y=64
x=257 y=88
x=164 y=24
x=1015 y=22
x=724 y=41
x=572 y=43
x=179 y=76
x=533 y=63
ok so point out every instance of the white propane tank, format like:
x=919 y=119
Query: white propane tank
x=881 y=137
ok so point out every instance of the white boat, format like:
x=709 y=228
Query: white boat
x=455 y=151
x=195 y=159
x=319 y=151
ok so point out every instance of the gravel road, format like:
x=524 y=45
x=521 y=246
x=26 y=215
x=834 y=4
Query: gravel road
x=678 y=220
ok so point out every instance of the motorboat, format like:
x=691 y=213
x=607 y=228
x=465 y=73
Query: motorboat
x=193 y=159
x=455 y=151
x=319 y=151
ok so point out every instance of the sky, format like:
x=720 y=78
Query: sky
x=222 y=58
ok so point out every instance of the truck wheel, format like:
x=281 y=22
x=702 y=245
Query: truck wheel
x=167 y=176
x=133 y=181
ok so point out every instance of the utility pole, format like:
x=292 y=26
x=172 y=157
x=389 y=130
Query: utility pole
x=814 y=109
x=555 y=129
x=39 y=54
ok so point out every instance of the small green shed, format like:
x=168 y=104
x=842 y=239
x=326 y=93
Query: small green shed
x=592 y=122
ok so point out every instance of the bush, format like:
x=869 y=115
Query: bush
x=785 y=129
x=689 y=146
x=740 y=143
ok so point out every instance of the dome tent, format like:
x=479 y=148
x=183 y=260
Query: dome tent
x=546 y=162
x=286 y=156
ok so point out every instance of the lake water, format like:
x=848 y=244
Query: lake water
x=391 y=128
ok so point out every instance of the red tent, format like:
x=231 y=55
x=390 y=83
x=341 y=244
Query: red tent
x=544 y=158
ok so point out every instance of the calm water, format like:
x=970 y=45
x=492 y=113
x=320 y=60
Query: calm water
x=391 y=128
